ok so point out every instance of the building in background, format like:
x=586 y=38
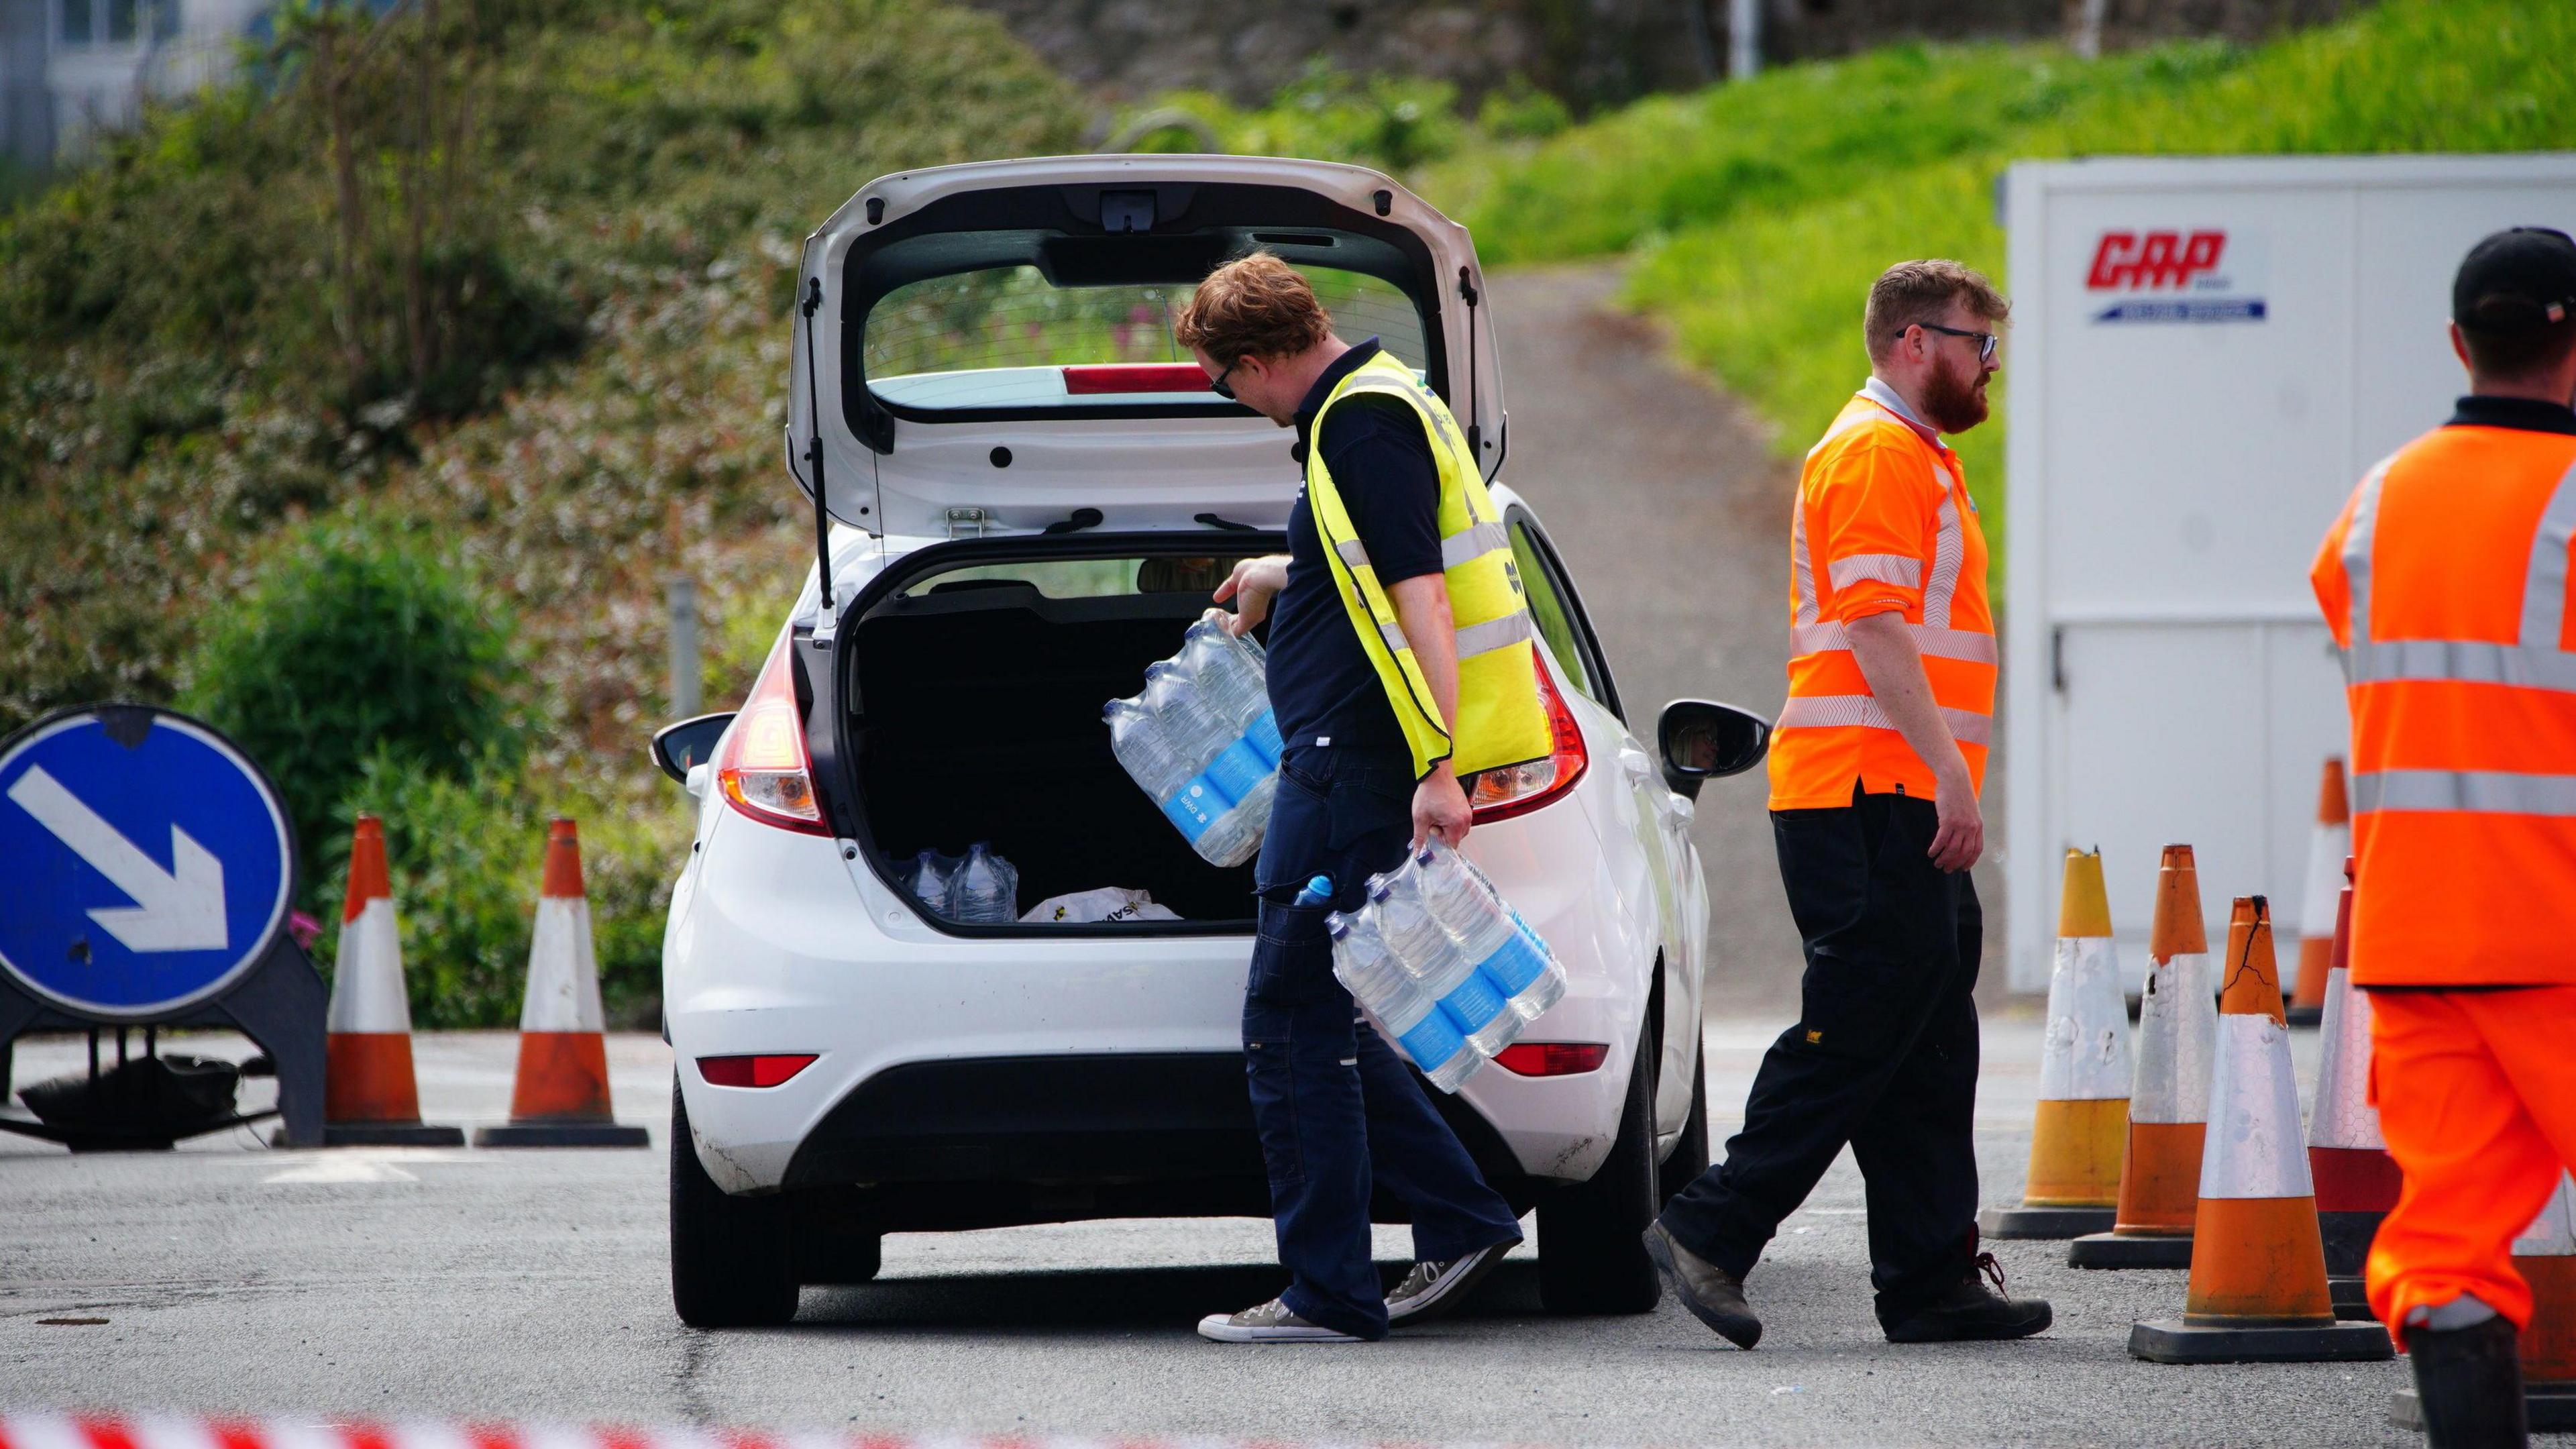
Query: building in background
x=72 y=69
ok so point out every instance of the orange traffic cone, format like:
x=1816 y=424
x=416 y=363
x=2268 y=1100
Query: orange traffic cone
x=2258 y=1271
x=2169 y=1106
x=2084 y=1069
x=2329 y=844
x=2357 y=1181
x=369 y=1096
x=2545 y=1256
x=561 y=1097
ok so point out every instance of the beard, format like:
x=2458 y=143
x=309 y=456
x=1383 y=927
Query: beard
x=1954 y=398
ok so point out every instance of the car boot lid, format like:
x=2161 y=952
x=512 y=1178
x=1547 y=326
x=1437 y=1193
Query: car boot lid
x=1069 y=444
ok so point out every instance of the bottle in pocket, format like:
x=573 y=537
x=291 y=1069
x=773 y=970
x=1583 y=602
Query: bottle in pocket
x=1505 y=950
x=1433 y=958
x=1368 y=970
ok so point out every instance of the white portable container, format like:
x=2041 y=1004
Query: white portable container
x=2207 y=353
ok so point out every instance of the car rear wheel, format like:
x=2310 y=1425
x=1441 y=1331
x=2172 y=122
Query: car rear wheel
x=1591 y=1258
x=732 y=1258
x=1689 y=1157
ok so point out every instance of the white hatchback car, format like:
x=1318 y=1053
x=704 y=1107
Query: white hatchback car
x=1034 y=492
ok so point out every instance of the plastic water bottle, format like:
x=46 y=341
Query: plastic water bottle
x=1136 y=737
x=1435 y=961
x=1213 y=746
x=1369 y=971
x=926 y=877
x=1232 y=680
x=985 y=890
x=1503 y=947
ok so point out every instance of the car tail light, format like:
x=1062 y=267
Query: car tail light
x=762 y=766
x=760 y=1071
x=1552 y=1058
x=1500 y=794
x=1103 y=377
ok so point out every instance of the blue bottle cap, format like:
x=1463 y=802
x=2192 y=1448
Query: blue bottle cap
x=1321 y=885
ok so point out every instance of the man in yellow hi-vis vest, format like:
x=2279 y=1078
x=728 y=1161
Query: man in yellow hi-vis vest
x=1400 y=660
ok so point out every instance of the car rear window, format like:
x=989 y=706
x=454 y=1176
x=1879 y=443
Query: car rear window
x=1087 y=578
x=1006 y=337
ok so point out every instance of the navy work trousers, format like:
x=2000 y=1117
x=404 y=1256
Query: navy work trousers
x=1338 y=1110
x=1884 y=1057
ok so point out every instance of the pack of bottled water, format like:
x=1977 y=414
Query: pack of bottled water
x=979 y=887
x=1436 y=956
x=1200 y=739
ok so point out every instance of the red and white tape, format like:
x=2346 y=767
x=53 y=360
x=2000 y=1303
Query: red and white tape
x=45 y=1430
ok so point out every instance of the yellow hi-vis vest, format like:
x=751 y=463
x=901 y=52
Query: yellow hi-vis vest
x=1500 y=718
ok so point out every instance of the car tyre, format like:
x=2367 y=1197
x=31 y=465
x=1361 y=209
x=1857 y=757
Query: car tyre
x=1591 y=1252
x=1689 y=1157
x=732 y=1258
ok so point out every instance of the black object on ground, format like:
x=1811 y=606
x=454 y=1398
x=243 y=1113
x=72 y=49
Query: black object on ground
x=146 y=1102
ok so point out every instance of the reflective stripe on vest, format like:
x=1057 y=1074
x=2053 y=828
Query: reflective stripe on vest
x=2533 y=661
x=1501 y=720
x=2477 y=792
x=1830 y=711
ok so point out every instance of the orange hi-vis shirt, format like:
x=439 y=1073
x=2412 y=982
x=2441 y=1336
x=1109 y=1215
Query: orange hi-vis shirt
x=1883 y=525
x=2445 y=582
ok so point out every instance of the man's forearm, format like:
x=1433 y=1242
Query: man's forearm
x=1892 y=663
x=1422 y=608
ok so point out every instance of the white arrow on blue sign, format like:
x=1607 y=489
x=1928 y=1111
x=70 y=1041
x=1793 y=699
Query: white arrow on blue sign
x=145 y=862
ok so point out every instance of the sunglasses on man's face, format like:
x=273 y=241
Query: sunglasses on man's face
x=1217 y=385
x=1987 y=342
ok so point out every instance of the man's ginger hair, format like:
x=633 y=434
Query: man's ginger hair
x=1253 y=306
x=1919 y=294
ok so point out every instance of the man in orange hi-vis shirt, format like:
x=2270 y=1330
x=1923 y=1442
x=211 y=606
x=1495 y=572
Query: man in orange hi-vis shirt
x=1875 y=769
x=2446 y=583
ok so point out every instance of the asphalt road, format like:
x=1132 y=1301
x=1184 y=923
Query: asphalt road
x=531 y=1285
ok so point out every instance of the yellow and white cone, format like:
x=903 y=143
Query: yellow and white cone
x=2082 y=1124
x=370 y=1097
x=2545 y=1256
x=561 y=1096
x=2169 y=1105
x=2329 y=845
x=2357 y=1181
x=2258 y=1271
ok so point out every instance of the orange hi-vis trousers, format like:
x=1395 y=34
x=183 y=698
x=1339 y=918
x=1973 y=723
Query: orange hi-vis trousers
x=2476 y=1093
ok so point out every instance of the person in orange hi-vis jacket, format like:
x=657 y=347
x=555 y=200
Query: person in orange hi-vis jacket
x=1875 y=769
x=2446 y=583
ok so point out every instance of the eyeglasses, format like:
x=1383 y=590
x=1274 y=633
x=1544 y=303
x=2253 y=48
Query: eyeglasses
x=1987 y=342
x=1218 y=385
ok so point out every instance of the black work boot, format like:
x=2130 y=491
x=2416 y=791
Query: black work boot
x=2469 y=1384
x=1711 y=1293
x=1971 y=1310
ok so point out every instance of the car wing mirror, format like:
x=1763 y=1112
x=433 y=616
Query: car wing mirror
x=676 y=747
x=1702 y=740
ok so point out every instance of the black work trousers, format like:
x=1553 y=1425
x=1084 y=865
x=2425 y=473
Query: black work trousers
x=1884 y=1057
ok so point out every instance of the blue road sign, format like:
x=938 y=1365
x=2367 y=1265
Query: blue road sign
x=145 y=862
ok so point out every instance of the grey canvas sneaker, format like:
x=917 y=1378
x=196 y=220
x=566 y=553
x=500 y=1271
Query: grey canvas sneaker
x=1432 y=1289
x=1270 y=1322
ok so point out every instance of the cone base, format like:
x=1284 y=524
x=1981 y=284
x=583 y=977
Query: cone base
x=2124 y=1250
x=562 y=1134
x=2351 y=1300
x=2170 y=1340
x=2304 y=1015
x=2056 y=1223
x=2551 y=1408
x=391 y=1134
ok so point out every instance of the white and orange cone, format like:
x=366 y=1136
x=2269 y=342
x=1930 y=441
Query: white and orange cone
x=2082 y=1125
x=2258 y=1271
x=2545 y=1256
x=2169 y=1105
x=561 y=1096
x=2329 y=845
x=370 y=1096
x=2357 y=1181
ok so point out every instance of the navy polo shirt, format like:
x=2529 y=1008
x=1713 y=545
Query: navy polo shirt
x=1322 y=686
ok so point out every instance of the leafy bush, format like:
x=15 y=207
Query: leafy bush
x=467 y=853
x=355 y=646
x=1394 y=123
